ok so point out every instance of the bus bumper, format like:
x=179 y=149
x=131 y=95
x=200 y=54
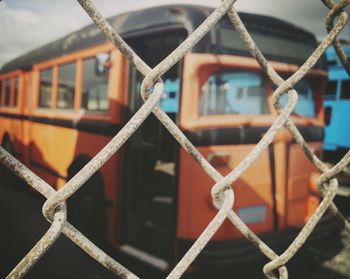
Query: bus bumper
x=226 y=253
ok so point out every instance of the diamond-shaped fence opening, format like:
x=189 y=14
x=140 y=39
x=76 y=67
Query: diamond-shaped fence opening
x=152 y=88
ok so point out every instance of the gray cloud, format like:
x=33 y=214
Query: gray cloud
x=310 y=15
x=25 y=29
x=26 y=25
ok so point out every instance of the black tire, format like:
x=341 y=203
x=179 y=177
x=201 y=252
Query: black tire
x=87 y=207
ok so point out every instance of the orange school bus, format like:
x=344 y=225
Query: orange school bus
x=61 y=103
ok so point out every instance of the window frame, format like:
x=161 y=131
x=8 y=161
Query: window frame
x=15 y=81
x=53 y=109
x=116 y=83
x=2 y=89
x=260 y=74
x=88 y=111
x=11 y=77
x=285 y=75
x=5 y=103
x=1 y=85
x=199 y=66
x=38 y=107
x=73 y=109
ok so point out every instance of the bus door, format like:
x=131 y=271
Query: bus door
x=149 y=194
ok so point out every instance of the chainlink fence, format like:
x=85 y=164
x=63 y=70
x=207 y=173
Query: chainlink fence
x=55 y=210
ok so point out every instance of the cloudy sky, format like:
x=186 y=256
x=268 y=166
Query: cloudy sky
x=28 y=24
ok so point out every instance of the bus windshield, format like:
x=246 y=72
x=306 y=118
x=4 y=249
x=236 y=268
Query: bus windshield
x=232 y=92
x=305 y=105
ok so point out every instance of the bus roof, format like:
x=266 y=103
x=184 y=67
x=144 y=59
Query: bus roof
x=173 y=17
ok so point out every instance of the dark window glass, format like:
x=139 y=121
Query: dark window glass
x=45 y=96
x=234 y=93
x=331 y=89
x=94 y=95
x=332 y=62
x=15 y=92
x=7 y=92
x=305 y=105
x=345 y=89
x=66 y=86
x=327 y=115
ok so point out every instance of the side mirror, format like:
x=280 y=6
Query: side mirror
x=101 y=63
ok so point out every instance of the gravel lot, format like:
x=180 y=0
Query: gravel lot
x=22 y=225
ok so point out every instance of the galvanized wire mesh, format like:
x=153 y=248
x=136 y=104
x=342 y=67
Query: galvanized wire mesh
x=55 y=210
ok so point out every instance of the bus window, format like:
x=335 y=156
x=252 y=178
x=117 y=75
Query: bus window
x=45 y=95
x=234 y=93
x=66 y=86
x=7 y=92
x=94 y=95
x=305 y=105
x=345 y=89
x=331 y=90
x=15 y=92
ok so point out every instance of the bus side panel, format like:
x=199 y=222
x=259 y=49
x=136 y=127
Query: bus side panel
x=26 y=124
x=16 y=133
x=5 y=127
x=54 y=140
x=253 y=194
x=280 y=152
x=110 y=171
x=12 y=127
x=11 y=122
x=53 y=149
x=52 y=146
x=298 y=185
x=17 y=124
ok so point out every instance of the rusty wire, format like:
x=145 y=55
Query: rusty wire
x=55 y=210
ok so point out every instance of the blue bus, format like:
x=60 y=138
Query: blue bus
x=337 y=107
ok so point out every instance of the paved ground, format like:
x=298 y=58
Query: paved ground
x=22 y=225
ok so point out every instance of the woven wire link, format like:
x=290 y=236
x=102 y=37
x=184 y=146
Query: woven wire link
x=55 y=210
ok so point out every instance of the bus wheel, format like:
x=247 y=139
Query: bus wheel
x=87 y=207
